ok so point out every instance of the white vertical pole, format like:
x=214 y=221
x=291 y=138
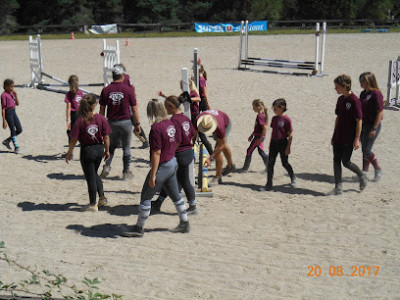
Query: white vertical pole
x=323 y=46
x=316 y=66
x=397 y=83
x=117 y=50
x=40 y=56
x=240 y=44
x=247 y=40
x=186 y=106
x=196 y=67
x=389 y=84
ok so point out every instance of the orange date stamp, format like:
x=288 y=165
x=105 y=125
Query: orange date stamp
x=339 y=271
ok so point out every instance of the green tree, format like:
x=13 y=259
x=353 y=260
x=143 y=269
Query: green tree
x=266 y=9
x=7 y=19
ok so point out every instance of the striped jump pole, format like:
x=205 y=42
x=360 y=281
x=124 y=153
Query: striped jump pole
x=394 y=82
x=316 y=66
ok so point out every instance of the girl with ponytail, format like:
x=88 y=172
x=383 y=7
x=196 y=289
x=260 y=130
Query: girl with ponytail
x=92 y=131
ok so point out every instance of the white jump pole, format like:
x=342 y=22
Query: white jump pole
x=316 y=66
x=247 y=39
x=111 y=57
x=186 y=106
x=323 y=46
x=241 y=43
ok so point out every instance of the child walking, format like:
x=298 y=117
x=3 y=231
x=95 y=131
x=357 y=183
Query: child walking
x=281 y=140
x=72 y=99
x=347 y=132
x=163 y=170
x=257 y=137
x=92 y=131
x=372 y=106
x=9 y=100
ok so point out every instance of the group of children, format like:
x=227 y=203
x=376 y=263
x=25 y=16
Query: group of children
x=171 y=140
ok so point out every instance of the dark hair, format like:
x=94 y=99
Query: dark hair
x=343 y=81
x=280 y=103
x=116 y=76
x=85 y=107
x=370 y=79
x=175 y=101
x=7 y=83
x=73 y=84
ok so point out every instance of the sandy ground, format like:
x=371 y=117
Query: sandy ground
x=244 y=244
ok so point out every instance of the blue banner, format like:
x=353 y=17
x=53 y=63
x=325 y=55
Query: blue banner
x=229 y=27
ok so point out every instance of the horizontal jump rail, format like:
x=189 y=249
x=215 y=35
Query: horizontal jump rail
x=282 y=60
x=274 y=72
x=278 y=65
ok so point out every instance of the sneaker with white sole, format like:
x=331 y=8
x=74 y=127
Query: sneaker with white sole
x=293 y=182
x=106 y=171
x=92 y=208
x=378 y=175
x=127 y=175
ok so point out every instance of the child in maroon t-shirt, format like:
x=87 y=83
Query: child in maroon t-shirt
x=257 y=137
x=92 y=131
x=9 y=100
x=281 y=141
x=346 y=135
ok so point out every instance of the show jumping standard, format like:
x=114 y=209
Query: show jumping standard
x=394 y=82
x=314 y=68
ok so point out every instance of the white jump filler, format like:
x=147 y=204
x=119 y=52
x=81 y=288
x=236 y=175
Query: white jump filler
x=312 y=68
x=394 y=83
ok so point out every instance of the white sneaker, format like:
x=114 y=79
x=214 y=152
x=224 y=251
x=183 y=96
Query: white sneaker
x=127 y=175
x=92 y=208
x=105 y=172
x=378 y=175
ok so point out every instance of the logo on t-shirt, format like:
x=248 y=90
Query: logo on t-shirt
x=369 y=97
x=348 y=105
x=281 y=124
x=116 y=97
x=92 y=130
x=171 y=133
x=78 y=98
x=186 y=127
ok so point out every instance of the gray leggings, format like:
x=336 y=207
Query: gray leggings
x=121 y=131
x=166 y=179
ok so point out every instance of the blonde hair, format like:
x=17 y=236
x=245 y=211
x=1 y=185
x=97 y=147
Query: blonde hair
x=73 y=83
x=260 y=103
x=85 y=110
x=370 y=79
x=156 y=111
x=343 y=81
x=203 y=72
x=192 y=86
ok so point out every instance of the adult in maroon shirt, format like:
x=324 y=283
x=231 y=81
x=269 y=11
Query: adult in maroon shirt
x=92 y=131
x=372 y=106
x=120 y=100
x=347 y=132
x=162 y=174
x=184 y=153
x=218 y=123
x=141 y=136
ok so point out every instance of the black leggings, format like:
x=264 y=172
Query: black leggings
x=184 y=159
x=275 y=147
x=74 y=117
x=91 y=157
x=203 y=137
x=342 y=154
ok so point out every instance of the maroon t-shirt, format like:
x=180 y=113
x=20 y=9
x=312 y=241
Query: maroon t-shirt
x=162 y=137
x=372 y=103
x=281 y=127
x=202 y=84
x=194 y=106
x=348 y=109
x=222 y=121
x=261 y=121
x=118 y=97
x=184 y=132
x=74 y=99
x=8 y=100
x=90 y=133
